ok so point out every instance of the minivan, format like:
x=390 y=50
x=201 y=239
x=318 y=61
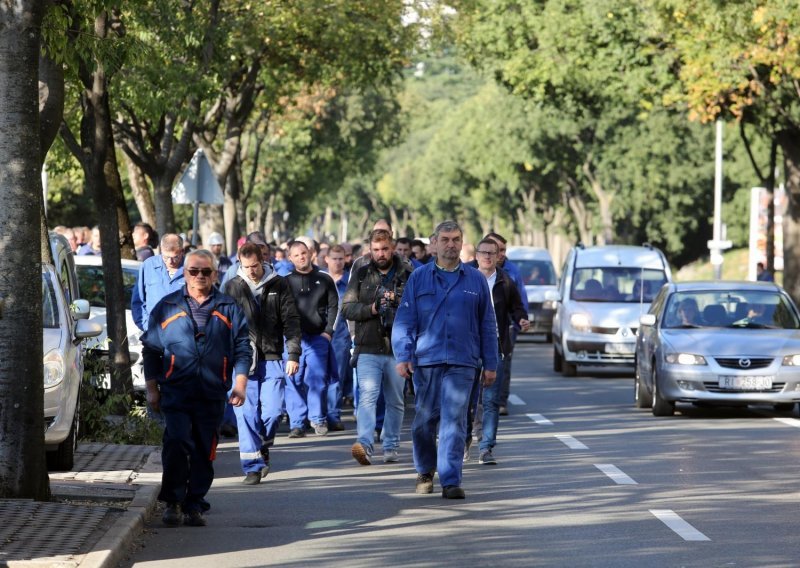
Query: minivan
x=541 y=285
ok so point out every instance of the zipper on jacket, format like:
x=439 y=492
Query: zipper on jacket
x=224 y=369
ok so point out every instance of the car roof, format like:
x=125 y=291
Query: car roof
x=528 y=253
x=716 y=285
x=94 y=260
x=619 y=255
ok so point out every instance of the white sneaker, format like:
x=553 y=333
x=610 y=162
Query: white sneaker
x=390 y=456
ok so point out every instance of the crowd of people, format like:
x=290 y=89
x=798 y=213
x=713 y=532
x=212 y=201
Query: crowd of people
x=233 y=345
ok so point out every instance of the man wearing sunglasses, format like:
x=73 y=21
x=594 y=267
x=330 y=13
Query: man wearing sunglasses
x=196 y=339
x=158 y=276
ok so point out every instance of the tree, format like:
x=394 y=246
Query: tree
x=23 y=473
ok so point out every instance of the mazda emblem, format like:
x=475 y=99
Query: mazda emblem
x=744 y=363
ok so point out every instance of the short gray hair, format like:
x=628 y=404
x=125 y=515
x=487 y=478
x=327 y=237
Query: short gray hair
x=171 y=241
x=205 y=254
x=446 y=227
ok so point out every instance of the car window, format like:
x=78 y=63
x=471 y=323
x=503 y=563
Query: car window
x=50 y=317
x=751 y=309
x=536 y=272
x=92 y=285
x=616 y=284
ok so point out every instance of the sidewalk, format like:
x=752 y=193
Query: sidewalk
x=96 y=511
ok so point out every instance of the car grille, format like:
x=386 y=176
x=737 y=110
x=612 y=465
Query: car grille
x=610 y=330
x=714 y=387
x=735 y=362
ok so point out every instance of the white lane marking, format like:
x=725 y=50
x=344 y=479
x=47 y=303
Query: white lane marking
x=677 y=524
x=616 y=474
x=539 y=419
x=571 y=442
x=515 y=400
x=790 y=421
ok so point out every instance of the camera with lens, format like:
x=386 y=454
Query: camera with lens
x=386 y=302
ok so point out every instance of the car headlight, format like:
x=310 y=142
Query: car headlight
x=53 y=368
x=792 y=360
x=580 y=322
x=684 y=359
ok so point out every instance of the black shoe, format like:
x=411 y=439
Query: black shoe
x=172 y=515
x=194 y=519
x=252 y=478
x=424 y=483
x=453 y=492
x=265 y=457
x=503 y=410
x=336 y=427
x=297 y=433
x=228 y=430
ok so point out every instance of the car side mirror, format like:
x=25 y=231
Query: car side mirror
x=80 y=310
x=85 y=329
x=647 y=320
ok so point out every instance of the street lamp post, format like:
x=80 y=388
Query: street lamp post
x=717 y=245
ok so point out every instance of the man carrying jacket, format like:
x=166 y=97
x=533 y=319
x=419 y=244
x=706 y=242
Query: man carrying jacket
x=443 y=332
x=371 y=299
x=195 y=337
x=318 y=305
x=508 y=310
x=271 y=315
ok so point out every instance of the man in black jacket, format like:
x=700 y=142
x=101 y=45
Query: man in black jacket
x=370 y=300
x=318 y=305
x=271 y=315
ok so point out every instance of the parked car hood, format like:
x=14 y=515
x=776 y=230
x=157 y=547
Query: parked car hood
x=728 y=342
x=612 y=314
x=98 y=316
x=52 y=338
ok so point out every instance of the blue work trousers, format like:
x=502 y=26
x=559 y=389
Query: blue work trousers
x=377 y=374
x=260 y=414
x=307 y=390
x=341 y=345
x=490 y=397
x=442 y=398
x=189 y=448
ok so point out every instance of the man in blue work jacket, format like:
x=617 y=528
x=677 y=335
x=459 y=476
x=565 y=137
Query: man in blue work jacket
x=444 y=330
x=158 y=276
x=195 y=337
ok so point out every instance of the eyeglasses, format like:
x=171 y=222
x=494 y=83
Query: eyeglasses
x=204 y=271
x=486 y=252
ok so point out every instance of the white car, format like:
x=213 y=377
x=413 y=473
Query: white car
x=541 y=285
x=92 y=288
x=603 y=292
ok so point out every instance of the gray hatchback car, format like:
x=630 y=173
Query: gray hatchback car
x=723 y=343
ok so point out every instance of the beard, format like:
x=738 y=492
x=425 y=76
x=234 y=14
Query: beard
x=383 y=264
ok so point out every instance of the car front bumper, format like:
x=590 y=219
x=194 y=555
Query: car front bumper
x=684 y=383
x=599 y=349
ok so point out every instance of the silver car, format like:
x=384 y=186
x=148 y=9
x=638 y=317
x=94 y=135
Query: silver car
x=725 y=343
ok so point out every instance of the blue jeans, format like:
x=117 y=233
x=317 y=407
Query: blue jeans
x=341 y=349
x=258 y=417
x=376 y=372
x=491 y=406
x=442 y=398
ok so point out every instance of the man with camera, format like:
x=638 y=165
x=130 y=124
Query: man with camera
x=371 y=300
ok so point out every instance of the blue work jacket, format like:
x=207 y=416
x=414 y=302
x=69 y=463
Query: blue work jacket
x=153 y=284
x=188 y=366
x=453 y=326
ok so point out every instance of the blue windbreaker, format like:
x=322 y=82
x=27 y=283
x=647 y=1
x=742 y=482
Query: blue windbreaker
x=153 y=284
x=454 y=326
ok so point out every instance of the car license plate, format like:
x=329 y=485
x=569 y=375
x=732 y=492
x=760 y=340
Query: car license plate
x=753 y=383
x=620 y=348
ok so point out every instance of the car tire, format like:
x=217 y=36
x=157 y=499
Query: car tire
x=783 y=407
x=641 y=397
x=568 y=368
x=63 y=458
x=660 y=406
x=556 y=360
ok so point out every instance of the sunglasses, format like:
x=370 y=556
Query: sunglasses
x=204 y=271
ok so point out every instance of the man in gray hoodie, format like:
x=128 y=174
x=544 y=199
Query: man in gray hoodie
x=271 y=314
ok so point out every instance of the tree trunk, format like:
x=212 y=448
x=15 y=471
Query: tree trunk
x=770 y=252
x=23 y=473
x=789 y=141
x=165 y=214
x=141 y=192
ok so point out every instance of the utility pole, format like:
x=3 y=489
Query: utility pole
x=717 y=245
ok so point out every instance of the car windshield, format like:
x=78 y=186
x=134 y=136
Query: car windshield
x=92 y=286
x=746 y=309
x=617 y=284
x=50 y=317
x=535 y=272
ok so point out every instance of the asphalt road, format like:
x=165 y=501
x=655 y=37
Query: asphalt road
x=584 y=479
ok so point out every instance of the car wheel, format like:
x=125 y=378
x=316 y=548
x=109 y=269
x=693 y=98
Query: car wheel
x=568 y=368
x=784 y=407
x=548 y=338
x=660 y=407
x=63 y=458
x=556 y=360
x=641 y=397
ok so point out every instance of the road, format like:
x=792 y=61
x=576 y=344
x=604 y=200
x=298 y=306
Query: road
x=584 y=479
